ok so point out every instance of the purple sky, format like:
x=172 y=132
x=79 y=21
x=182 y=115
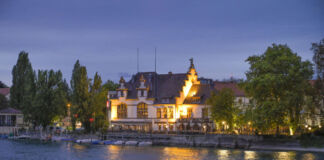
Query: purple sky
x=104 y=34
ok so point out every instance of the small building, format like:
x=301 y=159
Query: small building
x=11 y=120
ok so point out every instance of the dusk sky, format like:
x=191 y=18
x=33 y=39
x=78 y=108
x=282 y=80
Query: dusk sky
x=104 y=34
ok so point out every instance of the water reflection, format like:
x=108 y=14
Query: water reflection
x=113 y=151
x=52 y=151
x=79 y=147
x=223 y=154
x=308 y=156
x=249 y=155
x=175 y=153
x=285 y=155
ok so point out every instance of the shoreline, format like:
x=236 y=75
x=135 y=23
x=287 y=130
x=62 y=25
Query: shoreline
x=242 y=142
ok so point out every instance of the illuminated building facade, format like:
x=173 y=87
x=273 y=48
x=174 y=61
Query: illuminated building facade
x=162 y=102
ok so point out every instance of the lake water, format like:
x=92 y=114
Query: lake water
x=60 y=151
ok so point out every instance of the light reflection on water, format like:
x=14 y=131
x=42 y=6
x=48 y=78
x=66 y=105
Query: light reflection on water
x=31 y=150
x=223 y=154
x=114 y=151
x=285 y=155
x=249 y=155
x=309 y=156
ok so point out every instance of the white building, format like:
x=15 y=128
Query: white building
x=163 y=102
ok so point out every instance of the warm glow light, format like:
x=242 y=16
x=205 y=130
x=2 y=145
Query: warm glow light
x=223 y=122
x=306 y=126
x=193 y=94
x=249 y=155
x=183 y=110
x=68 y=105
x=114 y=112
x=285 y=155
x=309 y=128
x=223 y=154
x=186 y=88
x=319 y=126
x=249 y=123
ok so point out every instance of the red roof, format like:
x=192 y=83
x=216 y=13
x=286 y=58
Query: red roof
x=4 y=91
x=231 y=85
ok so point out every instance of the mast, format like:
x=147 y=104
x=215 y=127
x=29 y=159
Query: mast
x=137 y=60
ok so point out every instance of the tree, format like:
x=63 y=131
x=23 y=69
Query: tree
x=277 y=81
x=110 y=85
x=223 y=110
x=2 y=85
x=80 y=96
x=23 y=85
x=88 y=99
x=50 y=98
x=318 y=59
x=3 y=102
x=98 y=102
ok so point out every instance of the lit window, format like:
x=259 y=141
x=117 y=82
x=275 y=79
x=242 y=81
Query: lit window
x=122 y=111
x=142 y=110
x=170 y=112
x=158 y=113
x=164 y=113
x=189 y=110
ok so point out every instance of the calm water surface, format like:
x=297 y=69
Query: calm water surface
x=52 y=151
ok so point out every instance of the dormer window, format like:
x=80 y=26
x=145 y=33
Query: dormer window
x=122 y=88
x=142 y=89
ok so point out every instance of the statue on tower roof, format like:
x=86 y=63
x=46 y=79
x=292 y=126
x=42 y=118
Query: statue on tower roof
x=122 y=80
x=142 y=79
x=191 y=63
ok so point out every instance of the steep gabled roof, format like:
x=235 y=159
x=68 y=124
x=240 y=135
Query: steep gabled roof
x=163 y=87
x=198 y=94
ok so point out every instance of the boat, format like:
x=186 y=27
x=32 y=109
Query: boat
x=148 y=143
x=131 y=143
x=95 y=141
x=83 y=141
x=119 y=143
x=56 y=139
x=68 y=139
x=3 y=136
x=108 y=142
x=22 y=137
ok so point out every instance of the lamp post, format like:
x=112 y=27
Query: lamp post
x=224 y=126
